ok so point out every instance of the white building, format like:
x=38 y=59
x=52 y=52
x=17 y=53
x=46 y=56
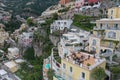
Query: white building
x=13 y=53
x=25 y=38
x=72 y=41
x=4 y=75
x=60 y=25
x=2 y=72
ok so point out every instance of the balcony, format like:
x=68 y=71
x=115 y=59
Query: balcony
x=113 y=38
x=98 y=28
x=106 y=45
x=106 y=28
x=113 y=28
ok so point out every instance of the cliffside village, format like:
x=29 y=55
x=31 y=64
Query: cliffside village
x=78 y=51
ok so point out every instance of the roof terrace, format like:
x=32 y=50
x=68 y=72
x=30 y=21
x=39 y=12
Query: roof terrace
x=84 y=60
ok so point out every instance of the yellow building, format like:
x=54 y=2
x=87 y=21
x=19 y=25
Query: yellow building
x=79 y=66
x=106 y=36
x=114 y=12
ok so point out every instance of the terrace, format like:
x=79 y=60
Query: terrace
x=84 y=60
x=74 y=37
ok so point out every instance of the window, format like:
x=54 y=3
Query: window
x=111 y=12
x=94 y=42
x=98 y=34
x=64 y=66
x=111 y=34
x=65 y=23
x=108 y=51
x=58 y=22
x=106 y=25
x=111 y=44
x=93 y=49
x=101 y=26
x=111 y=17
x=63 y=75
x=104 y=33
x=83 y=75
x=70 y=69
x=115 y=26
x=30 y=36
x=70 y=78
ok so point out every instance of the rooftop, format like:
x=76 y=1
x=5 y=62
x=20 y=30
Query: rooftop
x=84 y=60
x=10 y=64
x=15 y=50
x=62 y=22
x=19 y=60
x=2 y=72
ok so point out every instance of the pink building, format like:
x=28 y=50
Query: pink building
x=80 y=3
x=93 y=1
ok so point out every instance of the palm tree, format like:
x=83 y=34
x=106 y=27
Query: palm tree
x=99 y=74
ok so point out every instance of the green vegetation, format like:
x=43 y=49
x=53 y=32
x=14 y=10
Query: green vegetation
x=29 y=54
x=83 y=22
x=12 y=25
x=5 y=47
x=51 y=20
x=57 y=57
x=41 y=35
x=35 y=72
x=30 y=22
x=50 y=74
x=99 y=74
x=29 y=73
x=115 y=72
x=56 y=33
x=27 y=8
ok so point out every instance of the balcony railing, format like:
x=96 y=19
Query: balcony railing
x=111 y=38
x=106 y=28
x=106 y=45
x=97 y=28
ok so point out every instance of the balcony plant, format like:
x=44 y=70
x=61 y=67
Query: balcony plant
x=88 y=64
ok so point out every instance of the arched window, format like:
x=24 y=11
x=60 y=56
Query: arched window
x=94 y=42
x=111 y=34
x=93 y=49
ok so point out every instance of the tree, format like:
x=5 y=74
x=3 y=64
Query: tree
x=29 y=54
x=30 y=22
x=55 y=16
x=99 y=74
x=50 y=74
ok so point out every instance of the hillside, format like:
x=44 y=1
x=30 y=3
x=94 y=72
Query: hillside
x=28 y=7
